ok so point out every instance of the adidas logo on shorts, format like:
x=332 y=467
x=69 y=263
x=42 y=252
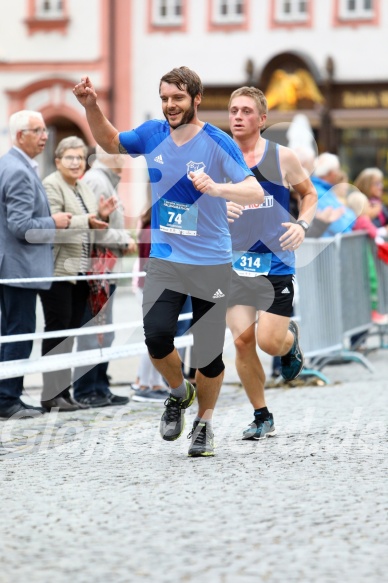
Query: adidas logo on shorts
x=286 y=291
x=218 y=295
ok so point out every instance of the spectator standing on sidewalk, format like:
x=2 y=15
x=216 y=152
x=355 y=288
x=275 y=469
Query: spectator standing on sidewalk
x=194 y=168
x=91 y=385
x=326 y=178
x=370 y=182
x=363 y=209
x=64 y=303
x=26 y=234
x=264 y=239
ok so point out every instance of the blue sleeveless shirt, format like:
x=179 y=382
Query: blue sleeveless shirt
x=258 y=229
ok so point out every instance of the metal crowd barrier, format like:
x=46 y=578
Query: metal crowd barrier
x=334 y=298
x=319 y=306
x=382 y=276
x=334 y=304
x=355 y=289
x=382 y=294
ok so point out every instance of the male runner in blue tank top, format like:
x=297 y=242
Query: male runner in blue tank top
x=264 y=239
x=194 y=168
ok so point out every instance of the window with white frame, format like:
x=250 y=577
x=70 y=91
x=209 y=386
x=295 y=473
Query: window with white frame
x=356 y=9
x=167 y=12
x=49 y=9
x=292 y=10
x=228 y=11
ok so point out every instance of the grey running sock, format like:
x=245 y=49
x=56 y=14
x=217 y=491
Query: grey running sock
x=180 y=392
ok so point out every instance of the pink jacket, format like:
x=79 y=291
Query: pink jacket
x=364 y=223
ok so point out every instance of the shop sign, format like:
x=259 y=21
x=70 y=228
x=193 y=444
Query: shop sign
x=364 y=99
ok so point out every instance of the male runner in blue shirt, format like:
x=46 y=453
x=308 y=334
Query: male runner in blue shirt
x=194 y=168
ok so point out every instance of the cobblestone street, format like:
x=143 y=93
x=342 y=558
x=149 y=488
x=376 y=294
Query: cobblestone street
x=98 y=496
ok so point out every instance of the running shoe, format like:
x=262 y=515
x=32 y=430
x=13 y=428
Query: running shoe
x=292 y=362
x=172 y=422
x=202 y=440
x=260 y=428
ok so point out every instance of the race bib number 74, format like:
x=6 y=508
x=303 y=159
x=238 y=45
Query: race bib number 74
x=178 y=218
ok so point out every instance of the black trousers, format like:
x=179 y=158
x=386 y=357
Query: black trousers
x=63 y=307
x=17 y=307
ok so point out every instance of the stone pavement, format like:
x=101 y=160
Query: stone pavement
x=97 y=496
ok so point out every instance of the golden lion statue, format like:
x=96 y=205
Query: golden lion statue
x=286 y=89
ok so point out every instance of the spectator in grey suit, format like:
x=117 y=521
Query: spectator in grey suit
x=26 y=232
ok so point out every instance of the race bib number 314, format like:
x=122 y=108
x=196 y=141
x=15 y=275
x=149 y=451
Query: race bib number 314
x=250 y=264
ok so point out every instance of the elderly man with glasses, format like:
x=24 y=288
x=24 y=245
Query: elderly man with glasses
x=27 y=230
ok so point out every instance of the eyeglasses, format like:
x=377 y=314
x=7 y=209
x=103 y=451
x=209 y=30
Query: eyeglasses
x=37 y=131
x=72 y=159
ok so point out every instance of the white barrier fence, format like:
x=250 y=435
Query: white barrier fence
x=51 y=363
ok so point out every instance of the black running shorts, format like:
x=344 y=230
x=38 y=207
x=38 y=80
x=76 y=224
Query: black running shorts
x=270 y=293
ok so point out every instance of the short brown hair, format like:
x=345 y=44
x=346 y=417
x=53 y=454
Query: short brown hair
x=256 y=94
x=185 y=79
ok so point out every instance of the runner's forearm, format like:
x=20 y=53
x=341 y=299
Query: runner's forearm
x=105 y=134
x=248 y=191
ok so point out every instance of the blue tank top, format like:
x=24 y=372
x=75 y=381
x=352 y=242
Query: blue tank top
x=187 y=227
x=258 y=229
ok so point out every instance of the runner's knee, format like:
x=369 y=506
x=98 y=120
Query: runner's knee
x=160 y=346
x=271 y=346
x=213 y=369
x=245 y=343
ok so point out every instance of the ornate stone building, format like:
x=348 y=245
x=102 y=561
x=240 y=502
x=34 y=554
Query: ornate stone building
x=326 y=59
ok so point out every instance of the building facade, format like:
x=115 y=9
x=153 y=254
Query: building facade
x=46 y=46
x=323 y=58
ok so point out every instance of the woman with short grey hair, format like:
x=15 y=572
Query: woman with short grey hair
x=70 y=143
x=65 y=302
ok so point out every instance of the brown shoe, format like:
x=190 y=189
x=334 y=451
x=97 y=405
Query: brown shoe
x=59 y=403
x=72 y=401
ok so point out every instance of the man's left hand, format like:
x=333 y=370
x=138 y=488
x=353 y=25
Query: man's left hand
x=293 y=237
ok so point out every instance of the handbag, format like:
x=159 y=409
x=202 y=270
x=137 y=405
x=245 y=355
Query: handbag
x=103 y=261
